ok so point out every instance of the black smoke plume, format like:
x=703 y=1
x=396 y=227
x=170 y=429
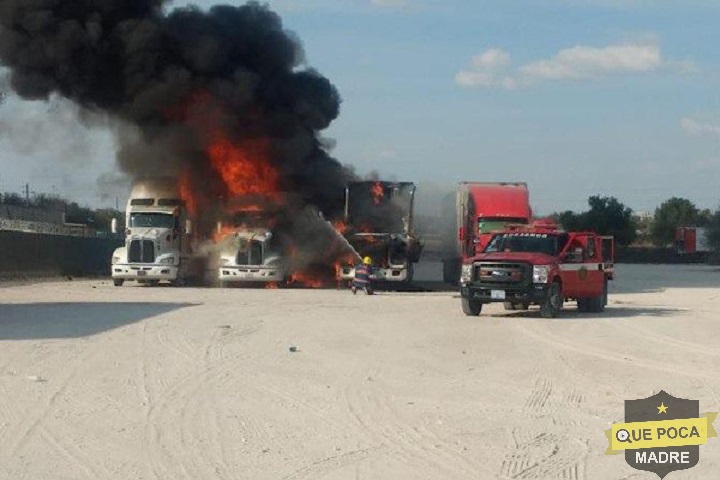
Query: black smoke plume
x=159 y=74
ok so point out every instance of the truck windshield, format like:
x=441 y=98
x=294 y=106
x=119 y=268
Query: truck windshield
x=526 y=242
x=487 y=225
x=152 y=220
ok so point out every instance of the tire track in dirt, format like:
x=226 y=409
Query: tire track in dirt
x=328 y=465
x=18 y=438
x=88 y=466
x=615 y=357
x=543 y=446
x=411 y=444
x=645 y=333
x=182 y=405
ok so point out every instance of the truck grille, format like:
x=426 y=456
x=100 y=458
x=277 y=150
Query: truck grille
x=141 y=251
x=502 y=274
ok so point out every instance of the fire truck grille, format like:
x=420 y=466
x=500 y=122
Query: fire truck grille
x=502 y=273
x=141 y=251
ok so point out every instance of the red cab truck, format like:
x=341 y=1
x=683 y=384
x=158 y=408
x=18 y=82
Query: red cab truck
x=480 y=209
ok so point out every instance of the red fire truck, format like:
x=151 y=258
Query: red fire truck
x=523 y=266
x=481 y=208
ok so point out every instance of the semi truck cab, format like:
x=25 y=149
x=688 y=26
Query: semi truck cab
x=250 y=257
x=157 y=235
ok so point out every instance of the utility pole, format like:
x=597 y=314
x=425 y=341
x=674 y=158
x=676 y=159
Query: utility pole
x=27 y=192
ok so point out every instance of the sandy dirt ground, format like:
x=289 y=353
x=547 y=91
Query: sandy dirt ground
x=98 y=382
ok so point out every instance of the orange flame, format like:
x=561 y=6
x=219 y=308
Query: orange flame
x=304 y=280
x=377 y=193
x=340 y=227
x=245 y=169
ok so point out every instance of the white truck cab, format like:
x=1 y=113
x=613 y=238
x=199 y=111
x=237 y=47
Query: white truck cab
x=157 y=235
x=249 y=256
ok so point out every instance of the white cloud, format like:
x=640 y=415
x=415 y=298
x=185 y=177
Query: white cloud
x=698 y=128
x=590 y=62
x=493 y=67
x=488 y=69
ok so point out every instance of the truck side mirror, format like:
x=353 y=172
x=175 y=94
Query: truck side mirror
x=114 y=225
x=188 y=227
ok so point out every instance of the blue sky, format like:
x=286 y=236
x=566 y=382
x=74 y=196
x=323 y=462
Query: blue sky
x=575 y=97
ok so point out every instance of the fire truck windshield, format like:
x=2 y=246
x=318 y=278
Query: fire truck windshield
x=152 y=220
x=527 y=242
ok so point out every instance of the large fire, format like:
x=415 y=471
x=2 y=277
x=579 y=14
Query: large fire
x=252 y=189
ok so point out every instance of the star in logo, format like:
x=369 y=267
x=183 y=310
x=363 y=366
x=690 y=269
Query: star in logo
x=662 y=408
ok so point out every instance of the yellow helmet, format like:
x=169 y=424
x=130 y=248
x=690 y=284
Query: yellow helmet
x=367 y=261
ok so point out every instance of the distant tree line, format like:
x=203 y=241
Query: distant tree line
x=99 y=219
x=608 y=216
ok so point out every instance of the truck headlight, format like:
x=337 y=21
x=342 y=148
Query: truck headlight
x=169 y=260
x=224 y=261
x=466 y=273
x=115 y=260
x=540 y=273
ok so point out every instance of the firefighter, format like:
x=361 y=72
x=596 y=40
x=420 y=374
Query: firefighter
x=362 y=280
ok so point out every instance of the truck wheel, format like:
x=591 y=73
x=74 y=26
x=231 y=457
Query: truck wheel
x=597 y=304
x=552 y=305
x=605 y=293
x=471 y=307
x=510 y=306
x=582 y=305
x=118 y=282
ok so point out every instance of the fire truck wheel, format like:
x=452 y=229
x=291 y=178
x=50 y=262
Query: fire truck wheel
x=510 y=306
x=597 y=304
x=582 y=305
x=118 y=282
x=605 y=293
x=552 y=305
x=471 y=308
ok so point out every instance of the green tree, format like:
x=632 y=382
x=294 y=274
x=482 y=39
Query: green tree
x=671 y=214
x=607 y=216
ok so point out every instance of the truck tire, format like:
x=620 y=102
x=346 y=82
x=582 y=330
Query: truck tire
x=597 y=304
x=118 y=282
x=605 y=293
x=510 y=305
x=582 y=304
x=471 y=307
x=550 y=308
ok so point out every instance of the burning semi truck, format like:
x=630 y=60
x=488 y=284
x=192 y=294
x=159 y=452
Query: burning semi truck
x=479 y=210
x=279 y=247
x=249 y=250
x=158 y=236
x=379 y=224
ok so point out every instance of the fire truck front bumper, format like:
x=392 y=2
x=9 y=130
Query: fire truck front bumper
x=249 y=274
x=535 y=293
x=144 y=272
